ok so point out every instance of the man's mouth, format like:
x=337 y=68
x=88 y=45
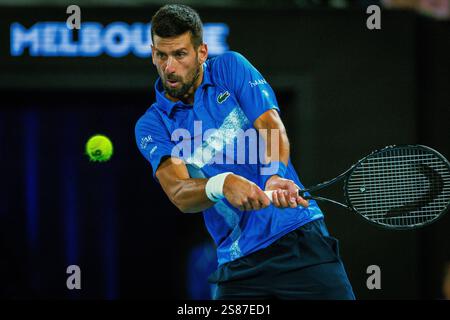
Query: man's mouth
x=172 y=83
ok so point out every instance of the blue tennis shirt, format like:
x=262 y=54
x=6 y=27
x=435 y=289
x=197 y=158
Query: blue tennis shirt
x=207 y=136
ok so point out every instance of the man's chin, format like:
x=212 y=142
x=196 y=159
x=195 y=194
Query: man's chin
x=175 y=93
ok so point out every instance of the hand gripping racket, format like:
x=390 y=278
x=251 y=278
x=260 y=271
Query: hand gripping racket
x=397 y=187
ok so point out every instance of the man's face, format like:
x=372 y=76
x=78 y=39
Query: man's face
x=178 y=63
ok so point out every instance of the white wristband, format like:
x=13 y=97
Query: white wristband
x=214 y=187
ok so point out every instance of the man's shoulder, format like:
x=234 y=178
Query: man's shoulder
x=226 y=58
x=230 y=55
x=223 y=67
x=149 y=118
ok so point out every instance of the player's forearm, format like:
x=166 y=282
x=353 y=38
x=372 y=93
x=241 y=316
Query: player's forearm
x=274 y=134
x=283 y=150
x=277 y=145
x=189 y=195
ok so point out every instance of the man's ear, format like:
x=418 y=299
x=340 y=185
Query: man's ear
x=153 y=54
x=202 y=53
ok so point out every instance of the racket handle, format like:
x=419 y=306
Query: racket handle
x=270 y=192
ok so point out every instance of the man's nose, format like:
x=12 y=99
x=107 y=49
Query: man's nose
x=170 y=66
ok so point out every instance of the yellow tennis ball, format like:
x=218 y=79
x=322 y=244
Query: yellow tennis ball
x=99 y=148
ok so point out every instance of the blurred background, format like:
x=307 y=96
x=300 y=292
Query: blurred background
x=343 y=89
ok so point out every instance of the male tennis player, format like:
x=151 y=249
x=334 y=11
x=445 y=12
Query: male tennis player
x=265 y=249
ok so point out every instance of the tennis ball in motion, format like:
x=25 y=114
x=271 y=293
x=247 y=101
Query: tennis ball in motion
x=99 y=148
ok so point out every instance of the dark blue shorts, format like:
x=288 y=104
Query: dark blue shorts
x=303 y=264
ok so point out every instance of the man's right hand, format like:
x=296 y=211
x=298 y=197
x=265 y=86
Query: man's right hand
x=244 y=194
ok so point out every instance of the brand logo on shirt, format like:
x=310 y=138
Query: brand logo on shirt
x=222 y=97
x=153 y=151
x=145 y=141
x=257 y=82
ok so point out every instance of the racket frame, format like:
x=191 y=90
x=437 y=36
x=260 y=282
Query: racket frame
x=347 y=174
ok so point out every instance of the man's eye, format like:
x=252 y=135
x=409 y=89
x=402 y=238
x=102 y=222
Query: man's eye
x=160 y=54
x=181 y=54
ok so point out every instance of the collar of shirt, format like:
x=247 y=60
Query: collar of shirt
x=167 y=105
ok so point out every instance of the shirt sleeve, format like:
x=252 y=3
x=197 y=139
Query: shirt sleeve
x=153 y=140
x=254 y=94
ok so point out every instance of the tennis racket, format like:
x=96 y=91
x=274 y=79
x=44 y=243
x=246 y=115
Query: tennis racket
x=397 y=187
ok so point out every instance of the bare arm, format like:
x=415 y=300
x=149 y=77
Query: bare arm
x=277 y=149
x=271 y=121
x=189 y=195
x=186 y=194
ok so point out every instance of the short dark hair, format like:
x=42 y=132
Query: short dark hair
x=175 y=19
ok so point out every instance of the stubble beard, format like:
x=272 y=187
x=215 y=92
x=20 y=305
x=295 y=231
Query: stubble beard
x=183 y=91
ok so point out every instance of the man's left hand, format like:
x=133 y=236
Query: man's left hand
x=285 y=193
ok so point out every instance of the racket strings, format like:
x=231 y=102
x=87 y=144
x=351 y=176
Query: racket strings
x=400 y=187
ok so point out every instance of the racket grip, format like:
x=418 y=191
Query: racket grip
x=270 y=192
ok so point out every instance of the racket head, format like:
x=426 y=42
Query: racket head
x=400 y=187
